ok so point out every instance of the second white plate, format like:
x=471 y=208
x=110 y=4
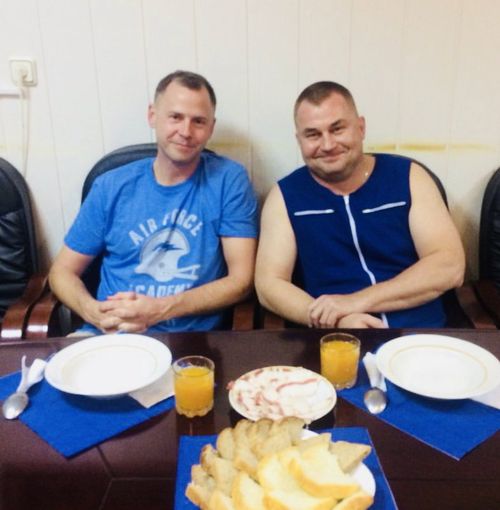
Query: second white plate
x=439 y=366
x=278 y=391
x=108 y=365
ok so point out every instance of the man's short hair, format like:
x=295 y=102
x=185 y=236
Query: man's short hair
x=189 y=80
x=319 y=91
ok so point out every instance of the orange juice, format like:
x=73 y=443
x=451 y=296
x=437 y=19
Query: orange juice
x=339 y=359
x=194 y=387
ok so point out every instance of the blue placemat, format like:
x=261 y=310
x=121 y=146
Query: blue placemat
x=190 y=448
x=71 y=423
x=454 y=427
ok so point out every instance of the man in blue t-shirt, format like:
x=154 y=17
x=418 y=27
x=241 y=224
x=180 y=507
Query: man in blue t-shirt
x=367 y=238
x=177 y=232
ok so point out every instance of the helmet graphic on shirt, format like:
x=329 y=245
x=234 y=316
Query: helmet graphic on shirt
x=160 y=257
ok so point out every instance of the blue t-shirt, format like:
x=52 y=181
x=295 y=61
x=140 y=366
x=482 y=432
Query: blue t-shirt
x=162 y=240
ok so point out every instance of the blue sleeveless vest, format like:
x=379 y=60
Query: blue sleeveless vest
x=346 y=243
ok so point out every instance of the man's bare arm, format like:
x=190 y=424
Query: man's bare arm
x=440 y=266
x=276 y=257
x=138 y=312
x=65 y=282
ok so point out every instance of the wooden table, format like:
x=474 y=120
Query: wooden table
x=137 y=469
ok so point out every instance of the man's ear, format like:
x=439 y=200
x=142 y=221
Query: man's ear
x=362 y=126
x=151 y=116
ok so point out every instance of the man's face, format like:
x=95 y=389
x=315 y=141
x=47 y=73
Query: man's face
x=330 y=136
x=183 y=120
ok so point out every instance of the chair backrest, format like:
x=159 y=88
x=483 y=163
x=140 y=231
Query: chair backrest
x=108 y=162
x=435 y=178
x=18 y=248
x=114 y=159
x=489 y=231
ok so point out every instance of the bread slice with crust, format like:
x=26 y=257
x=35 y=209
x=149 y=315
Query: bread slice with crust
x=358 y=501
x=245 y=460
x=282 y=491
x=295 y=500
x=324 y=438
x=318 y=473
x=226 y=444
x=220 y=501
x=247 y=494
x=221 y=470
x=292 y=424
x=349 y=454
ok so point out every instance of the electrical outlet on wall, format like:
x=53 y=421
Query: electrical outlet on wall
x=23 y=71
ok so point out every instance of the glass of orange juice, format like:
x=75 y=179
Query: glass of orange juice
x=193 y=385
x=339 y=359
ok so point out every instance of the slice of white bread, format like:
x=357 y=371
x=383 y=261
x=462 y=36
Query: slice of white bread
x=220 y=501
x=349 y=454
x=358 y=501
x=293 y=425
x=221 y=470
x=225 y=444
x=201 y=487
x=324 y=438
x=295 y=500
x=245 y=460
x=318 y=473
x=273 y=474
x=282 y=490
x=247 y=494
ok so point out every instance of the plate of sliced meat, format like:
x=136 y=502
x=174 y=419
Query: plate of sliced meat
x=279 y=391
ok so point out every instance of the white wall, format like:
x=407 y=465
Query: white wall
x=425 y=73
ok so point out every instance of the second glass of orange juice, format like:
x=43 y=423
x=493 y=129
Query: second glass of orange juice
x=339 y=359
x=193 y=385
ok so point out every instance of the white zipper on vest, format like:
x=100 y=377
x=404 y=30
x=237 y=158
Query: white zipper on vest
x=354 y=233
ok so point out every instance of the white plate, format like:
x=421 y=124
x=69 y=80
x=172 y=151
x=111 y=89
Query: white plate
x=361 y=474
x=439 y=366
x=108 y=365
x=278 y=391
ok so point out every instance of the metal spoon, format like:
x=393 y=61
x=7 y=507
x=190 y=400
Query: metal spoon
x=375 y=400
x=15 y=405
x=17 y=402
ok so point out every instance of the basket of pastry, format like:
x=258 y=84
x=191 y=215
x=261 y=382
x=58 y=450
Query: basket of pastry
x=277 y=465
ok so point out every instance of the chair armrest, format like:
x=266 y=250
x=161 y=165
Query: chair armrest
x=43 y=320
x=16 y=316
x=244 y=315
x=473 y=307
x=489 y=297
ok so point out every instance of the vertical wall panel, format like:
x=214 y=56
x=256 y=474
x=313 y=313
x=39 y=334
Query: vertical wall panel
x=170 y=38
x=273 y=87
x=428 y=74
x=324 y=41
x=73 y=95
x=375 y=74
x=221 y=29
x=475 y=127
x=121 y=71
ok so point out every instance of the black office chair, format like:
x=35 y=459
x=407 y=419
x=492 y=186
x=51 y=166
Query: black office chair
x=240 y=317
x=461 y=307
x=21 y=283
x=487 y=288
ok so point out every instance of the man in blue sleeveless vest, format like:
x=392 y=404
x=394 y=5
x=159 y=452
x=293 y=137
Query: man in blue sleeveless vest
x=351 y=239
